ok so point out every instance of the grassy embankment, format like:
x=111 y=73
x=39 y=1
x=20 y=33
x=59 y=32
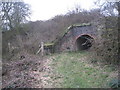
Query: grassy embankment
x=75 y=70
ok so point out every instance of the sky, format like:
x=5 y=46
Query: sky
x=47 y=9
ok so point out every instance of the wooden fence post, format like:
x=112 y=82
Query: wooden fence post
x=9 y=47
x=42 y=48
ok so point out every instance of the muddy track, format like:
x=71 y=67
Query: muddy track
x=30 y=72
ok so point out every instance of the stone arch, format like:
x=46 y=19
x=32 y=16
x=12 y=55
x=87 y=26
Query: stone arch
x=84 y=42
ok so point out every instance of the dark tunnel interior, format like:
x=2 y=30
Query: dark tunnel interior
x=84 y=42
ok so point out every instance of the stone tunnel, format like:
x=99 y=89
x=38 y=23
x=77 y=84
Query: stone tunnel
x=84 y=42
x=77 y=37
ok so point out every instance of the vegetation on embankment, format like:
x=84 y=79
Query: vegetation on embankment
x=106 y=45
x=77 y=70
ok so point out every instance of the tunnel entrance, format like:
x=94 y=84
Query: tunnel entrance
x=84 y=42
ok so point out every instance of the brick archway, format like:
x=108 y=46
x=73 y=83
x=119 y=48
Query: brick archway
x=84 y=42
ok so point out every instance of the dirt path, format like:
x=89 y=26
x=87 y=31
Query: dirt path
x=31 y=72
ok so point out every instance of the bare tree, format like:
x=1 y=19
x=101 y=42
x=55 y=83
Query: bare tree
x=108 y=8
x=13 y=14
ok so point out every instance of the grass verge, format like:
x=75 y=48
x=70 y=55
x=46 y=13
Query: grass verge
x=72 y=70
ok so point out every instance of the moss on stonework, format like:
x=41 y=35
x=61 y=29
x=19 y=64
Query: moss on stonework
x=74 y=25
x=49 y=44
x=70 y=27
x=83 y=24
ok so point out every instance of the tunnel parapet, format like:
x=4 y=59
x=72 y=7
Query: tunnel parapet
x=74 y=37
